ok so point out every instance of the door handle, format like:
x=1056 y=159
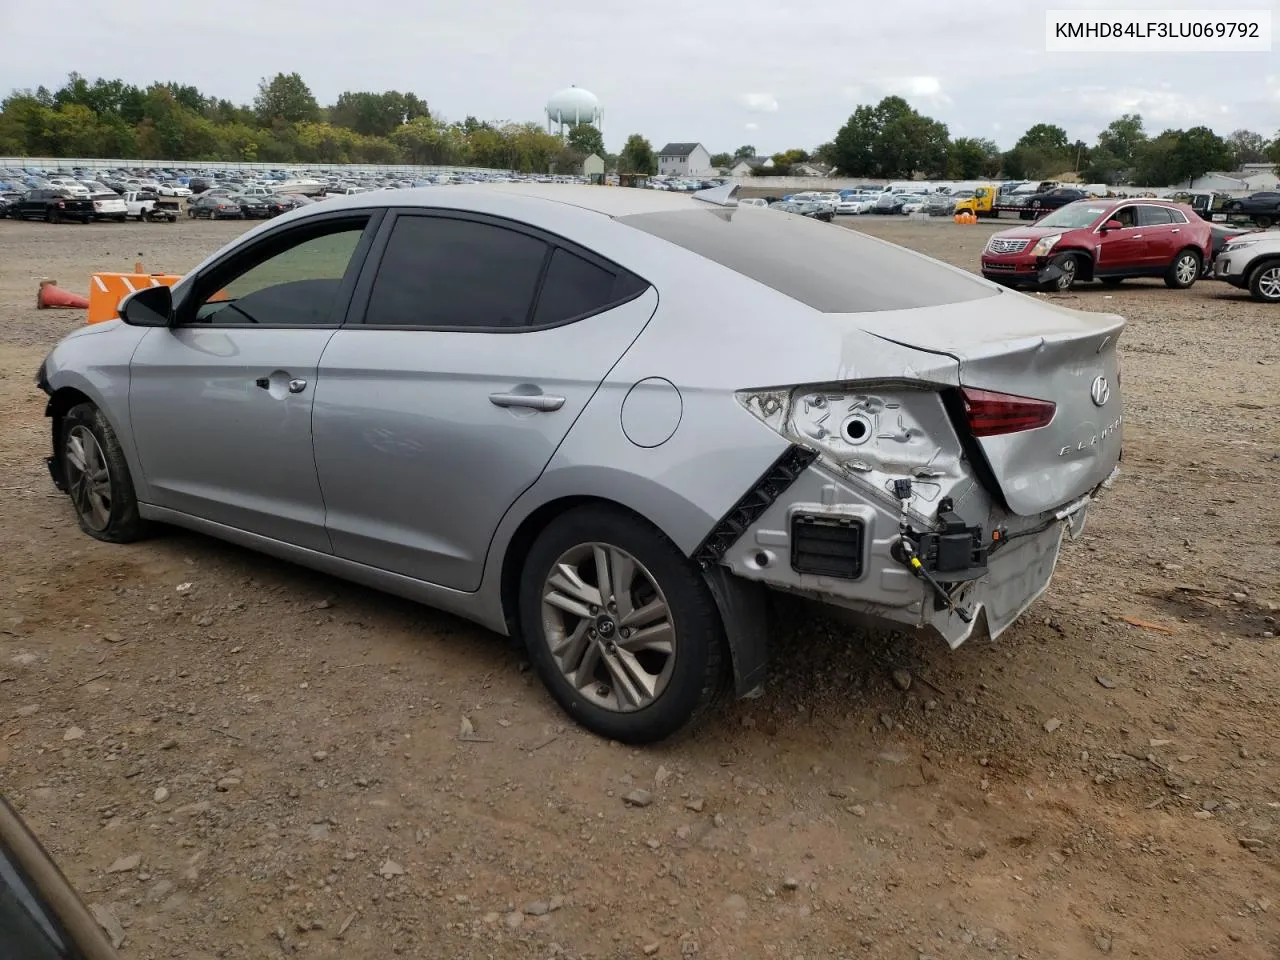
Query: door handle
x=1177 y=229
x=297 y=386
x=1136 y=236
x=530 y=401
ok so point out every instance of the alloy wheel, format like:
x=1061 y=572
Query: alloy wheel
x=608 y=626
x=1269 y=283
x=1186 y=269
x=89 y=479
x=1068 y=276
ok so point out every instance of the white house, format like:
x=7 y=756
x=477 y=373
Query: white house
x=684 y=160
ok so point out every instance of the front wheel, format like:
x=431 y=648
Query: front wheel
x=1263 y=222
x=97 y=477
x=1068 y=265
x=1264 y=285
x=1184 y=270
x=620 y=625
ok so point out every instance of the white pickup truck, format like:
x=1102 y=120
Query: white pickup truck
x=147 y=206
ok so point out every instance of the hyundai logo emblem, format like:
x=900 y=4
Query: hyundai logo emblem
x=1100 y=392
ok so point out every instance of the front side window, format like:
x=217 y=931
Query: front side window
x=289 y=280
x=456 y=274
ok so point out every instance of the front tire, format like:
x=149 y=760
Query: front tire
x=1264 y=285
x=620 y=625
x=1068 y=265
x=97 y=477
x=1184 y=271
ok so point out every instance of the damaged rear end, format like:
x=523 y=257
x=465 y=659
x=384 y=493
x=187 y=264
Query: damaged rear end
x=941 y=504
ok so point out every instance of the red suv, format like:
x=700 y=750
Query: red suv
x=1107 y=240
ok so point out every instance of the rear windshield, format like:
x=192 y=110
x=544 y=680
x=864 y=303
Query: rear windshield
x=827 y=267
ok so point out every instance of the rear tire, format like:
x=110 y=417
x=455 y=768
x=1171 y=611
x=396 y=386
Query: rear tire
x=1263 y=222
x=633 y=692
x=1264 y=285
x=1184 y=271
x=97 y=477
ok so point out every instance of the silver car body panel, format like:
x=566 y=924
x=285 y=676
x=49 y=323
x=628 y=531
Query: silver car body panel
x=421 y=485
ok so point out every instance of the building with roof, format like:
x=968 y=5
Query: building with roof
x=684 y=160
x=746 y=166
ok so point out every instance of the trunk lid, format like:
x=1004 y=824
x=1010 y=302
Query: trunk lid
x=1013 y=344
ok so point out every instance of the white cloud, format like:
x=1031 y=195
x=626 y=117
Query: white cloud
x=752 y=126
x=922 y=90
x=1162 y=107
x=759 y=102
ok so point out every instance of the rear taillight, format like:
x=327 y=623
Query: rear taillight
x=992 y=414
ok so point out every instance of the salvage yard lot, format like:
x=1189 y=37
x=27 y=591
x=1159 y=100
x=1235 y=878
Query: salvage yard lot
x=279 y=750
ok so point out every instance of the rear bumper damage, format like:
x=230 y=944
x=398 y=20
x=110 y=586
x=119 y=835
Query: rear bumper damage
x=824 y=539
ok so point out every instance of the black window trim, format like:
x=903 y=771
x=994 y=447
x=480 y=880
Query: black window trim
x=373 y=217
x=359 y=307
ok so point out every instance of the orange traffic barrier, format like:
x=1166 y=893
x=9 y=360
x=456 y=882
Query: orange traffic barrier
x=51 y=295
x=106 y=290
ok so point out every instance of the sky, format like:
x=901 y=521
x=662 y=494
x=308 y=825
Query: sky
x=771 y=73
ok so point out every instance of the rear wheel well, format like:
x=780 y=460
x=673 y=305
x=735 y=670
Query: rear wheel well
x=522 y=540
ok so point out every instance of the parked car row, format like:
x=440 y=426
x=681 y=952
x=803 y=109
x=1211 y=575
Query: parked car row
x=1115 y=240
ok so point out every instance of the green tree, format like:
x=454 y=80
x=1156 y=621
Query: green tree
x=746 y=150
x=722 y=160
x=376 y=114
x=1273 y=152
x=973 y=157
x=1154 y=164
x=1122 y=138
x=891 y=140
x=286 y=97
x=586 y=140
x=854 y=148
x=1247 y=147
x=1199 y=151
x=637 y=156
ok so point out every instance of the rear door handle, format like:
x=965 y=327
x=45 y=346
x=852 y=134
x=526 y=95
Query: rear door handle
x=530 y=401
x=1177 y=230
x=1136 y=236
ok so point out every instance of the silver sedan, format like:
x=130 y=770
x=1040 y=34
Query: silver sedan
x=606 y=421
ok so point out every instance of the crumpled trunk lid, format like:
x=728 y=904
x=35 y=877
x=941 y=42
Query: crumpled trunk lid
x=1014 y=344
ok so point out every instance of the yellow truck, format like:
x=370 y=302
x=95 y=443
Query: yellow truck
x=982 y=203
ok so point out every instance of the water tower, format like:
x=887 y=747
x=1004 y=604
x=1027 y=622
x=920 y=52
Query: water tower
x=572 y=106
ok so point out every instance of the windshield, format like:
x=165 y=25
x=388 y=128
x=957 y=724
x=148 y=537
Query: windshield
x=1073 y=216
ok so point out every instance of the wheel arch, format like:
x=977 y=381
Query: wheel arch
x=1263 y=260
x=1084 y=255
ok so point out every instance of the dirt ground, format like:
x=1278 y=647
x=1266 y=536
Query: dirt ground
x=242 y=759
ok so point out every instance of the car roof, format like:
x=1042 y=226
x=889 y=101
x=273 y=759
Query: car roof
x=610 y=201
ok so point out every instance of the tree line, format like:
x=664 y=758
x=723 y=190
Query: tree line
x=893 y=141
x=286 y=124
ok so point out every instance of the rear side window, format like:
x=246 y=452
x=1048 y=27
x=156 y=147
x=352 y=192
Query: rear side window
x=829 y=268
x=446 y=272
x=1152 y=216
x=575 y=287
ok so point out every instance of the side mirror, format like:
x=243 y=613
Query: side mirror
x=40 y=914
x=1112 y=225
x=149 y=307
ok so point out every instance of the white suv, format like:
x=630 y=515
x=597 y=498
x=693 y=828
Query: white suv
x=1251 y=261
